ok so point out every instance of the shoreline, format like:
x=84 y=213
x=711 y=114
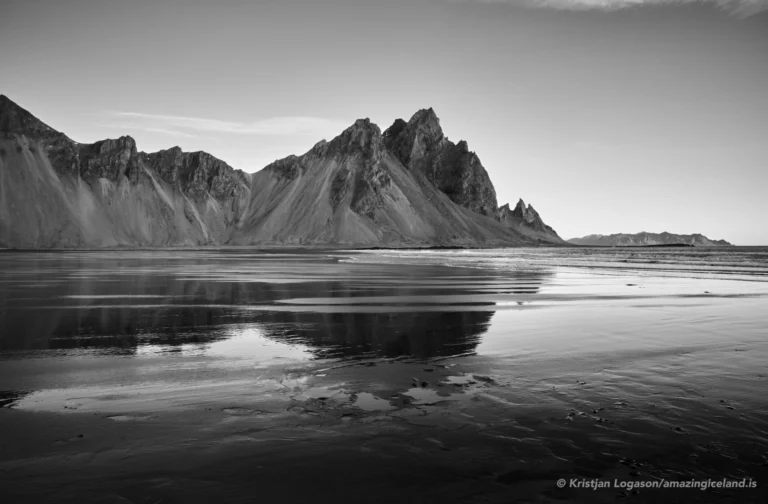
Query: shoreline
x=333 y=247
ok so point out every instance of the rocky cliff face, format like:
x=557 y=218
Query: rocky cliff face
x=15 y=122
x=420 y=146
x=198 y=174
x=55 y=192
x=527 y=218
x=354 y=191
x=110 y=160
x=408 y=186
x=643 y=239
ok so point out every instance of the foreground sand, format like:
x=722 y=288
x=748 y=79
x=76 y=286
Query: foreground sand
x=378 y=431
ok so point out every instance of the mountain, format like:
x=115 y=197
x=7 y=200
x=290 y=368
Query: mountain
x=408 y=186
x=641 y=239
x=526 y=219
x=55 y=192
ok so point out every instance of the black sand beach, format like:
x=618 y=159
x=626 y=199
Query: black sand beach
x=383 y=376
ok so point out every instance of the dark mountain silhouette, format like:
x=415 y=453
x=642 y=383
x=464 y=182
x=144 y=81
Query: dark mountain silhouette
x=641 y=239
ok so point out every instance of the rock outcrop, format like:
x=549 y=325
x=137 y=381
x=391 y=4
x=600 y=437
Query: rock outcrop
x=526 y=218
x=645 y=239
x=55 y=192
x=110 y=160
x=421 y=146
x=408 y=186
x=199 y=174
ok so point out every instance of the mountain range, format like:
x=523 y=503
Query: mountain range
x=645 y=239
x=408 y=186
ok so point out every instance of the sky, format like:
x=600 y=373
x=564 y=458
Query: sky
x=607 y=116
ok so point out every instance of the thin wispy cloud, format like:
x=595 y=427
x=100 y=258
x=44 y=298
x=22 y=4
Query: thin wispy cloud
x=150 y=129
x=741 y=8
x=280 y=126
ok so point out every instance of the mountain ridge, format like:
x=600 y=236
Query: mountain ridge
x=406 y=186
x=644 y=238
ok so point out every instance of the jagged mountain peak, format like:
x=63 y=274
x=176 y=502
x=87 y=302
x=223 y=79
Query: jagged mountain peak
x=425 y=116
x=527 y=213
x=425 y=126
x=111 y=144
x=393 y=131
x=362 y=137
x=16 y=119
x=526 y=216
x=416 y=139
x=407 y=186
x=363 y=125
x=421 y=146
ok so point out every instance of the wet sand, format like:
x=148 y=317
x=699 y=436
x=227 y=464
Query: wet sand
x=375 y=377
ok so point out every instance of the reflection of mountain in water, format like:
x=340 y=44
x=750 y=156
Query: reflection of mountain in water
x=10 y=397
x=421 y=334
x=118 y=312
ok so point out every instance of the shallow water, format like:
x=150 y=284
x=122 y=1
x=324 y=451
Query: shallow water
x=531 y=363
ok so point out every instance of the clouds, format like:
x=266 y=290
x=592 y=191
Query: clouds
x=185 y=126
x=143 y=127
x=741 y=8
